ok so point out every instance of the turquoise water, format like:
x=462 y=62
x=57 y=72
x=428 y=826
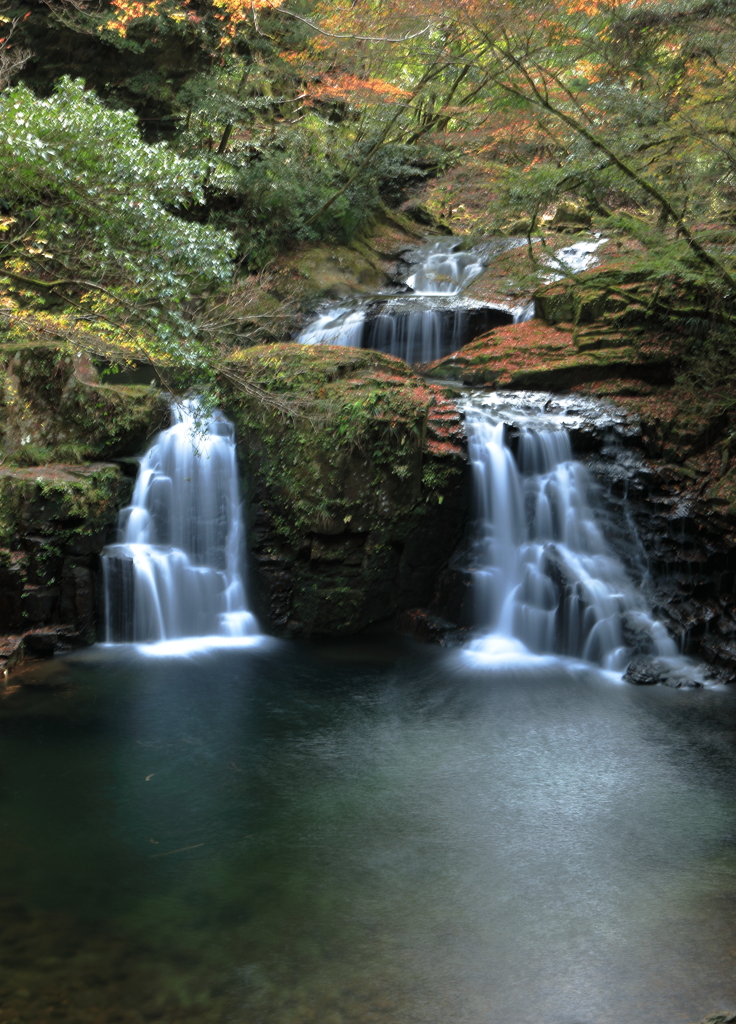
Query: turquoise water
x=353 y=833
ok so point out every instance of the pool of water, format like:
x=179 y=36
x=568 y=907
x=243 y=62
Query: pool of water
x=368 y=832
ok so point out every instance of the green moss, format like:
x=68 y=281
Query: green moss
x=60 y=502
x=341 y=473
x=346 y=440
x=322 y=271
x=55 y=409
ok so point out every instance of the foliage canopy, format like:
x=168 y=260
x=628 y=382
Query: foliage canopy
x=298 y=120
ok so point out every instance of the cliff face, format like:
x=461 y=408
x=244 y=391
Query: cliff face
x=356 y=482
x=58 y=508
x=679 y=488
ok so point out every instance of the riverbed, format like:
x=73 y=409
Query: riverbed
x=367 y=831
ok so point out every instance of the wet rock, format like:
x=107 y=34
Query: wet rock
x=428 y=628
x=358 y=500
x=636 y=632
x=12 y=652
x=454 y=598
x=680 y=547
x=646 y=671
x=649 y=671
x=44 y=643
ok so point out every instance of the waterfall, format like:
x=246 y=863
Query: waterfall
x=417 y=337
x=547 y=581
x=174 y=573
x=340 y=325
x=443 y=270
x=522 y=314
x=427 y=322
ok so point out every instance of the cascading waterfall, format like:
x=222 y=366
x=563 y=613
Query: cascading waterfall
x=436 y=325
x=547 y=581
x=340 y=325
x=443 y=270
x=175 y=572
x=417 y=337
x=424 y=324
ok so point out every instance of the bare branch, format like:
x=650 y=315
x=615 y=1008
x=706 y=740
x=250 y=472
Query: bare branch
x=350 y=35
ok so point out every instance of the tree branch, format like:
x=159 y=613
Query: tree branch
x=350 y=35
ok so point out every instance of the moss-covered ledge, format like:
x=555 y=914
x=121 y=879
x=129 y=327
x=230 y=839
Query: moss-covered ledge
x=355 y=473
x=54 y=407
x=53 y=523
x=537 y=356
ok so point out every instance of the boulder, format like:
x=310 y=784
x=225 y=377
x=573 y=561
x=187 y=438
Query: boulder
x=645 y=670
x=357 y=484
x=54 y=407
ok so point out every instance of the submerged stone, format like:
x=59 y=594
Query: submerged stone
x=650 y=671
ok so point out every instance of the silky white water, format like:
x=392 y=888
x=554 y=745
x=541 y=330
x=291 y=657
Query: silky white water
x=443 y=270
x=339 y=325
x=175 y=572
x=417 y=330
x=547 y=582
x=418 y=337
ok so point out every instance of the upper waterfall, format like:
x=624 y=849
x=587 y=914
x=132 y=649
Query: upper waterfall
x=427 y=319
x=444 y=269
x=547 y=580
x=175 y=571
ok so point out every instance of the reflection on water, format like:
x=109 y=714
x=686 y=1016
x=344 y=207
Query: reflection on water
x=363 y=834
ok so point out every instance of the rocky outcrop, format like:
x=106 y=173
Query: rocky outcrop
x=541 y=357
x=57 y=509
x=645 y=670
x=56 y=408
x=356 y=483
x=53 y=524
x=684 y=525
x=310 y=274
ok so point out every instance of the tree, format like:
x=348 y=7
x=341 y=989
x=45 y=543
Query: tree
x=97 y=224
x=13 y=58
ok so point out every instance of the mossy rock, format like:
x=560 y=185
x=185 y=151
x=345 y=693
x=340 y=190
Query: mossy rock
x=68 y=503
x=679 y=423
x=723 y=495
x=536 y=356
x=313 y=273
x=56 y=408
x=356 y=479
x=570 y=217
x=54 y=521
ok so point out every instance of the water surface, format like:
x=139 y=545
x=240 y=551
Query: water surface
x=353 y=833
